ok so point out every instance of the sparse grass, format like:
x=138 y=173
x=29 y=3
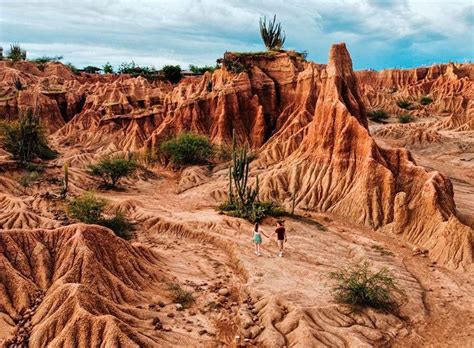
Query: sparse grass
x=378 y=115
x=181 y=296
x=360 y=287
x=404 y=104
x=425 y=100
x=406 y=118
x=382 y=250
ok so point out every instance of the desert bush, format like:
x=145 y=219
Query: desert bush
x=406 y=118
x=425 y=100
x=91 y=69
x=187 y=149
x=108 y=68
x=201 y=69
x=360 y=287
x=72 y=67
x=47 y=59
x=29 y=178
x=87 y=208
x=271 y=34
x=181 y=296
x=25 y=139
x=256 y=213
x=135 y=70
x=117 y=223
x=172 y=73
x=16 y=53
x=90 y=210
x=404 y=104
x=112 y=169
x=377 y=115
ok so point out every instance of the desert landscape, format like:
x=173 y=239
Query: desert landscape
x=365 y=165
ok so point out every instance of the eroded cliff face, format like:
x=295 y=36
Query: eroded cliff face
x=307 y=121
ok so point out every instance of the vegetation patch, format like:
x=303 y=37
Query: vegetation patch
x=90 y=210
x=172 y=73
x=187 y=149
x=378 y=115
x=181 y=296
x=202 y=69
x=112 y=169
x=25 y=139
x=425 y=100
x=360 y=287
x=404 y=104
x=406 y=118
x=382 y=250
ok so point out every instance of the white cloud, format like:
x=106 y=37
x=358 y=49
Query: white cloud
x=157 y=32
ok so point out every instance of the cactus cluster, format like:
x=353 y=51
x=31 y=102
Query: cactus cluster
x=244 y=197
x=271 y=33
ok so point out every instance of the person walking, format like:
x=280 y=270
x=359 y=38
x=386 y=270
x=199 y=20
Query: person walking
x=257 y=238
x=281 y=236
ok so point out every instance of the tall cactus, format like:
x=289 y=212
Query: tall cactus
x=246 y=196
x=65 y=181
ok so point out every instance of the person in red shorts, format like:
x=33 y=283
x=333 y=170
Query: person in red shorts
x=281 y=236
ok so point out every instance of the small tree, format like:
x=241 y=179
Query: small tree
x=271 y=34
x=25 y=139
x=16 y=53
x=172 y=73
x=111 y=170
x=73 y=68
x=108 y=68
x=359 y=287
x=47 y=59
x=187 y=149
x=91 y=69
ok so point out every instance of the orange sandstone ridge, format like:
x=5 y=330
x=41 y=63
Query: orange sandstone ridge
x=308 y=119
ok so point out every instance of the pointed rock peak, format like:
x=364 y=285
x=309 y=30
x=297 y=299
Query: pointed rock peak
x=340 y=62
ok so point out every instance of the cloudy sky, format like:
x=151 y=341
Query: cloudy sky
x=379 y=33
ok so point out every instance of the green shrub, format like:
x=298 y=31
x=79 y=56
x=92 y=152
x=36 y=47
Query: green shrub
x=425 y=100
x=87 y=208
x=91 y=69
x=187 y=149
x=47 y=59
x=119 y=224
x=29 y=178
x=112 y=169
x=73 y=69
x=108 y=68
x=406 y=118
x=16 y=53
x=201 y=69
x=258 y=212
x=359 y=287
x=378 y=115
x=25 y=139
x=90 y=210
x=172 y=73
x=135 y=70
x=404 y=104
